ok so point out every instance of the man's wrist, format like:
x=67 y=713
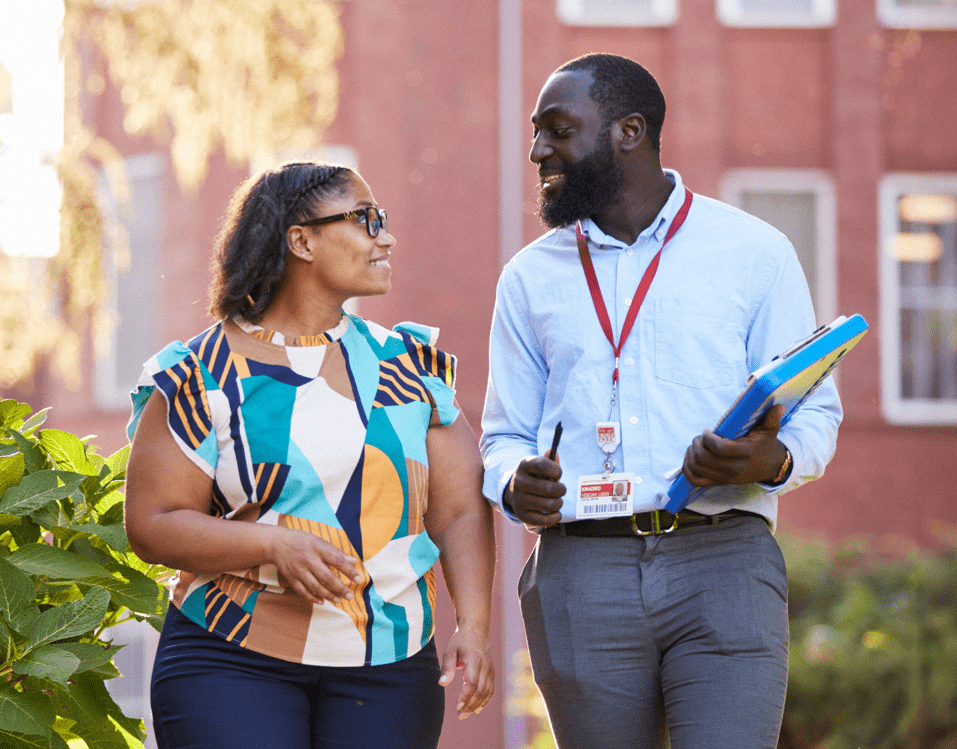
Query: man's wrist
x=785 y=470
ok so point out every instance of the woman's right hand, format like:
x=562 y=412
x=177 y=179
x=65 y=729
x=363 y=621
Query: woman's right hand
x=312 y=567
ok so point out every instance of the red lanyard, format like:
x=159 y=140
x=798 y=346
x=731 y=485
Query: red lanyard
x=642 y=287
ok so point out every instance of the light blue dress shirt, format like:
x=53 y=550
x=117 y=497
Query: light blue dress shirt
x=729 y=295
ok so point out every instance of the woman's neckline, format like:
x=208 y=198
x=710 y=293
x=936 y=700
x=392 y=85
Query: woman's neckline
x=303 y=341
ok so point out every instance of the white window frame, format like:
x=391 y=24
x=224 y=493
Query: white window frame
x=738 y=181
x=732 y=13
x=108 y=392
x=893 y=15
x=896 y=408
x=589 y=13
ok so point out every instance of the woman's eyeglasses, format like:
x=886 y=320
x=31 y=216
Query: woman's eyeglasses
x=375 y=219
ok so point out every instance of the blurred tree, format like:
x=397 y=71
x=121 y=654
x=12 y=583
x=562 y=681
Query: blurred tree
x=241 y=75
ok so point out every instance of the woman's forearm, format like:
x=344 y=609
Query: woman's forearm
x=468 y=565
x=192 y=541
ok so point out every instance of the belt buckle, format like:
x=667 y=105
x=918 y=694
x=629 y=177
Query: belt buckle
x=656 y=529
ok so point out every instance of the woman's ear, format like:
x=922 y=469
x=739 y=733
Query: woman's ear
x=298 y=242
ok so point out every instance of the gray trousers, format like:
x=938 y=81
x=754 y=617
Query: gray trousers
x=684 y=634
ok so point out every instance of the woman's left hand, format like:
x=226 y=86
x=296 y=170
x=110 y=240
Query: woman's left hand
x=469 y=650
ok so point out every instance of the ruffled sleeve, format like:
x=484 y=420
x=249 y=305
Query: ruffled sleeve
x=185 y=384
x=436 y=367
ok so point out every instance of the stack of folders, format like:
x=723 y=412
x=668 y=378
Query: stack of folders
x=788 y=379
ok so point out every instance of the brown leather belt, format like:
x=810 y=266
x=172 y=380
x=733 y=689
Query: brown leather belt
x=645 y=523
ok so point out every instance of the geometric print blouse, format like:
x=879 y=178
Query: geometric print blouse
x=326 y=434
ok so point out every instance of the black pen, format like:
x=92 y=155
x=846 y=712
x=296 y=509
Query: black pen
x=558 y=435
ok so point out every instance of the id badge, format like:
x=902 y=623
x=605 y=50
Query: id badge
x=602 y=496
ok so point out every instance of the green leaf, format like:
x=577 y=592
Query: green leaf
x=33 y=456
x=25 y=712
x=114 y=534
x=27 y=531
x=56 y=595
x=132 y=726
x=105 y=671
x=138 y=593
x=36 y=490
x=9 y=740
x=118 y=460
x=56 y=563
x=50 y=516
x=88 y=702
x=25 y=618
x=111 y=512
x=35 y=421
x=91 y=654
x=49 y=662
x=17 y=590
x=70 y=619
x=12 y=413
x=107 y=735
x=6 y=642
x=11 y=471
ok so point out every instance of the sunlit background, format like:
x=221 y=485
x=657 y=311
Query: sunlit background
x=31 y=126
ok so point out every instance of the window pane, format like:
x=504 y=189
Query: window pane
x=925 y=3
x=777 y=6
x=918 y=14
x=134 y=279
x=137 y=302
x=926 y=254
x=618 y=12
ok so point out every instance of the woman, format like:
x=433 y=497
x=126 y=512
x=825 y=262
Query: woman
x=303 y=469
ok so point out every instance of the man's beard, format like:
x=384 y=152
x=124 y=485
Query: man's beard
x=589 y=185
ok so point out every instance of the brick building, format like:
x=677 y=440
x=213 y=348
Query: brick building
x=834 y=121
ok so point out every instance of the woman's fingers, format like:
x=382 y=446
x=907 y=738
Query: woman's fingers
x=315 y=568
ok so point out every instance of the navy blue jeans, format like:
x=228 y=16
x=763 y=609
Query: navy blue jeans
x=207 y=693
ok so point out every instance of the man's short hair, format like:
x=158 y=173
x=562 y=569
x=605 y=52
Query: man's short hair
x=622 y=87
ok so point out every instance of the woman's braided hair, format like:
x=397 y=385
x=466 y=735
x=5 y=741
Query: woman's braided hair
x=250 y=251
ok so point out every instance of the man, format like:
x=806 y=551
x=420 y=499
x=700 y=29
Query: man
x=640 y=623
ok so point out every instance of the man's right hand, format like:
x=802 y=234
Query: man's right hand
x=534 y=495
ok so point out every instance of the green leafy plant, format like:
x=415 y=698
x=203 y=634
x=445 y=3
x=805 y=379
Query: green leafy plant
x=67 y=574
x=873 y=650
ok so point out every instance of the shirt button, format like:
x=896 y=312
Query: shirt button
x=629 y=361
x=629 y=251
x=634 y=419
x=627 y=302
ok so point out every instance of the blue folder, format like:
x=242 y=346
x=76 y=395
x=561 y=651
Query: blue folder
x=788 y=379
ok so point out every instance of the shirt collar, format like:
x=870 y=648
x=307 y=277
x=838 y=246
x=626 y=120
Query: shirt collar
x=658 y=227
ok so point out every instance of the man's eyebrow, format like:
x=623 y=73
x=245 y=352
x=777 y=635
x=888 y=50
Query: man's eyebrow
x=553 y=110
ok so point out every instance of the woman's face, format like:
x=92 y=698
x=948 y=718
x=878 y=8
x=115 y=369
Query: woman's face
x=347 y=262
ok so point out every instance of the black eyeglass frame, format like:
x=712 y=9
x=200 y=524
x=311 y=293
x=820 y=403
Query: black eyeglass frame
x=376 y=219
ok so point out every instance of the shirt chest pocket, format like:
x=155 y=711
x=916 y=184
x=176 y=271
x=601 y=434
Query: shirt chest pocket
x=699 y=344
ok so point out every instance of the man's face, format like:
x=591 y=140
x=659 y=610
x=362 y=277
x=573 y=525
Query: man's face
x=578 y=171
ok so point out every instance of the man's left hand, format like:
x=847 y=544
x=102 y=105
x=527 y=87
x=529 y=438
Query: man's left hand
x=756 y=457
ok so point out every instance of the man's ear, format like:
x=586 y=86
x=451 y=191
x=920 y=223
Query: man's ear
x=633 y=131
x=297 y=242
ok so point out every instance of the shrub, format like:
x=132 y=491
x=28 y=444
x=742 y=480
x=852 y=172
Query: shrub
x=67 y=574
x=873 y=651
